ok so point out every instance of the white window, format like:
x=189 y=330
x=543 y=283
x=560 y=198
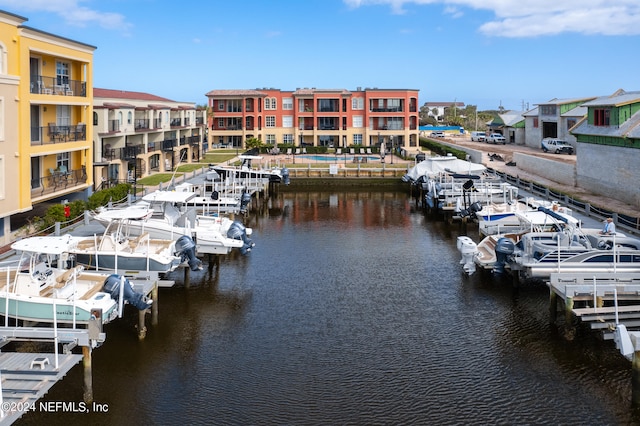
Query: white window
x=62 y=159
x=62 y=73
x=270 y=103
x=270 y=121
x=63 y=115
x=357 y=139
x=220 y=105
x=287 y=103
x=221 y=123
x=357 y=103
x=287 y=121
x=129 y=117
x=271 y=139
x=288 y=139
x=357 y=121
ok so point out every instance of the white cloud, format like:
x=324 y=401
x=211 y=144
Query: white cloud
x=531 y=18
x=71 y=12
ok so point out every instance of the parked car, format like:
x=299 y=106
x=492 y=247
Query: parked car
x=556 y=145
x=437 y=134
x=496 y=138
x=478 y=136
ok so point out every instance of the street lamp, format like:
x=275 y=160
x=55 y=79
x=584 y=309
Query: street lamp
x=393 y=153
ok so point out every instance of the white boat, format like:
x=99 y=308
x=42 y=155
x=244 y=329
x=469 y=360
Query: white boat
x=573 y=250
x=45 y=287
x=491 y=252
x=171 y=218
x=214 y=197
x=246 y=175
x=116 y=249
x=506 y=217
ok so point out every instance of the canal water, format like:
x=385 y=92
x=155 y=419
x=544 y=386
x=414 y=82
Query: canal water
x=351 y=309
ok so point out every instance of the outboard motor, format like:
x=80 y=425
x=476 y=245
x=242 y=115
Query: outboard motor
x=504 y=248
x=112 y=286
x=245 y=198
x=285 y=175
x=469 y=250
x=186 y=249
x=237 y=231
x=215 y=195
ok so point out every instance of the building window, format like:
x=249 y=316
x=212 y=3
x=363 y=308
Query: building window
x=129 y=117
x=95 y=118
x=570 y=123
x=62 y=159
x=220 y=105
x=287 y=121
x=357 y=121
x=220 y=123
x=547 y=110
x=270 y=103
x=357 y=139
x=535 y=122
x=287 y=103
x=601 y=116
x=288 y=139
x=271 y=139
x=270 y=121
x=62 y=73
x=357 y=103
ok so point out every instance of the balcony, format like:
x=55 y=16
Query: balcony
x=130 y=152
x=193 y=140
x=141 y=124
x=58 y=181
x=176 y=122
x=52 y=134
x=60 y=86
x=168 y=145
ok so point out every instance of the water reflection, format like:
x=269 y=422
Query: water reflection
x=352 y=309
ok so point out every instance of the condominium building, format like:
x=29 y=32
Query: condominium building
x=136 y=134
x=329 y=118
x=45 y=101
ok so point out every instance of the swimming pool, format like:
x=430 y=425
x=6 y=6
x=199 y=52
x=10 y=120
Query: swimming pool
x=333 y=158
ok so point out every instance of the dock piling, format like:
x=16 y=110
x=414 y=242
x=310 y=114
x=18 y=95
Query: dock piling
x=88 y=381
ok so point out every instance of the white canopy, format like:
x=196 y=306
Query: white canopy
x=436 y=165
x=45 y=245
x=168 y=197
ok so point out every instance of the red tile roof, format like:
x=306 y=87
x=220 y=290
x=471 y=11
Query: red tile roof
x=123 y=94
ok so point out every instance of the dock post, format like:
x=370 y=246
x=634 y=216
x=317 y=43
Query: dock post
x=553 y=307
x=635 y=379
x=142 y=328
x=154 y=307
x=569 y=330
x=88 y=382
x=186 y=278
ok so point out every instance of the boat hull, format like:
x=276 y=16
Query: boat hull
x=41 y=309
x=126 y=262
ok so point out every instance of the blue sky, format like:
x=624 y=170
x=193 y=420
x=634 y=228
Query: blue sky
x=488 y=53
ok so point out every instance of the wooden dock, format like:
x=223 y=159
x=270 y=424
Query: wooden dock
x=603 y=300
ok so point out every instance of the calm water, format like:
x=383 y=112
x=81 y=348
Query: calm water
x=351 y=310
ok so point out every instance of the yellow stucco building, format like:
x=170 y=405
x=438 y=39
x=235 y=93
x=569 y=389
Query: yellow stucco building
x=46 y=101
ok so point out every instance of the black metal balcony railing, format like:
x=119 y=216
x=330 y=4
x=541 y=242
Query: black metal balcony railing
x=57 y=180
x=169 y=144
x=157 y=123
x=58 y=134
x=141 y=123
x=199 y=121
x=194 y=140
x=183 y=140
x=130 y=152
x=176 y=122
x=60 y=85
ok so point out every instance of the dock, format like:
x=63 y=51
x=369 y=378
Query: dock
x=27 y=377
